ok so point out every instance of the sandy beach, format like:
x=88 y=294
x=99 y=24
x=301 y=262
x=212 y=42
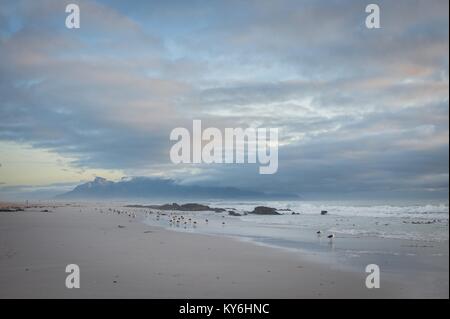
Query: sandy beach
x=120 y=257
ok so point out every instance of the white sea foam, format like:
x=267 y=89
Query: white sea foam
x=412 y=221
x=436 y=210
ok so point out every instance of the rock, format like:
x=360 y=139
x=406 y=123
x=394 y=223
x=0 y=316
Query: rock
x=173 y=206
x=424 y=222
x=194 y=207
x=263 y=210
x=233 y=213
x=190 y=207
x=11 y=209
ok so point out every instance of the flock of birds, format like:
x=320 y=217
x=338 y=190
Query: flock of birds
x=181 y=220
x=173 y=218
x=118 y=212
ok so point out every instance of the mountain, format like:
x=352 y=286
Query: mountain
x=145 y=187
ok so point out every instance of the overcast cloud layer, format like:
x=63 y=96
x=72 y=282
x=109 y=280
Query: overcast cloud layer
x=362 y=113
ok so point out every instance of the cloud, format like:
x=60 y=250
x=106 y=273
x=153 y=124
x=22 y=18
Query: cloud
x=358 y=110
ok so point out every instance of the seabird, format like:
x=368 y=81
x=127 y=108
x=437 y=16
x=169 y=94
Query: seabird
x=331 y=236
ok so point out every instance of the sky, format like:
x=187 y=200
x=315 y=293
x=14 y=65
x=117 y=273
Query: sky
x=362 y=113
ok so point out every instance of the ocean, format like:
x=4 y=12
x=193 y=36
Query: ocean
x=405 y=239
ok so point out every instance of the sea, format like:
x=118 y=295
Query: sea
x=408 y=240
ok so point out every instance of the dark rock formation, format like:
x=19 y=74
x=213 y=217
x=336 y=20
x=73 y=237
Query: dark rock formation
x=11 y=209
x=263 y=210
x=190 y=207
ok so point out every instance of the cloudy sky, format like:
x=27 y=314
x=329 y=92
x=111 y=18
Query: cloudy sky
x=361 y=112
